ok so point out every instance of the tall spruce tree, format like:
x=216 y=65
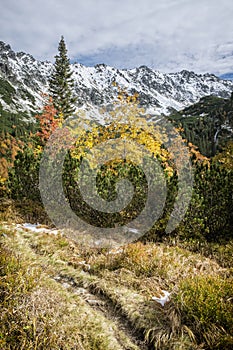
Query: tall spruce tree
x=61 y=83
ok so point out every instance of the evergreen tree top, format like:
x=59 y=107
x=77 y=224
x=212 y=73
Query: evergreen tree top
x=62 y=49
x=61 y=84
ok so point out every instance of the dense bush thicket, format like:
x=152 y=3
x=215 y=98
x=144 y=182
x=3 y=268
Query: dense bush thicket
x=209 y=215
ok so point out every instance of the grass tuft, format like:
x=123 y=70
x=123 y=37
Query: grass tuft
x=206 y=304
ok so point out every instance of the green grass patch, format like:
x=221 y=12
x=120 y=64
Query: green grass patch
x=206 y=304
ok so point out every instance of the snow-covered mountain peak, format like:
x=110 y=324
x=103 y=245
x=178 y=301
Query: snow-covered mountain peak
x=95 y=86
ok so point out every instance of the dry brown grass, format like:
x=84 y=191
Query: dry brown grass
x=127 y=278
x=19 y=211
x=38 y=313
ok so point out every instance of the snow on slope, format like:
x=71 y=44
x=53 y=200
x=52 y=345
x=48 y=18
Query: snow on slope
x=158 y=92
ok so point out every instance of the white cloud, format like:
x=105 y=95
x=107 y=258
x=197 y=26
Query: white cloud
x=168 y=35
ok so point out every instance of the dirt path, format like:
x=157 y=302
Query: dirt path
x=124 y=332
x=82 y=284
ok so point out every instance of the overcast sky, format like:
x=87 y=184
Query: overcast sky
x=167 y=35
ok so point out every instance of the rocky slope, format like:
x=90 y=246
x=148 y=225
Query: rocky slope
x=23 y=79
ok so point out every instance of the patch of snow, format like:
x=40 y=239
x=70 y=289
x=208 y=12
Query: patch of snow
x=133 y=230
x=38 y=228
x=163 y=299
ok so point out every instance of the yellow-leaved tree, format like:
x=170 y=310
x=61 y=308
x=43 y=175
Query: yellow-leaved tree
x=123 y=147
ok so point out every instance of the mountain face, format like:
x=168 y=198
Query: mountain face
x=208 y=123
x=23 y=79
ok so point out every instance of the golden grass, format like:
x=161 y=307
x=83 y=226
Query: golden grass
x=38 y=313
x=19 y=211
x=127 y=278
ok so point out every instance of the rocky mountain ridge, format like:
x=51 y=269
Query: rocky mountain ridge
x=23 y=79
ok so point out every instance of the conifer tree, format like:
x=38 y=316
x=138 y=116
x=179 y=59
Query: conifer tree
x=61 y=83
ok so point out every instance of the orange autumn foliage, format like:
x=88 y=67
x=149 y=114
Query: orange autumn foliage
x=48 y=120
x=9 y=148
